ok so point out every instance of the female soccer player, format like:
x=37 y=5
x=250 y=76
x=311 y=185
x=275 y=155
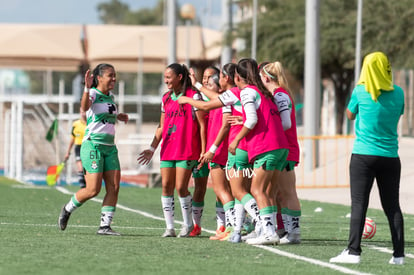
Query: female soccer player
x=182 y=144
x=274 y=79
x=99 y=154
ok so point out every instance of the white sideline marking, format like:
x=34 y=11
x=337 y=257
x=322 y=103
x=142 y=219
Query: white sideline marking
x=312 y=261
x=386 y=250
x=273 y=250
x=79 y=226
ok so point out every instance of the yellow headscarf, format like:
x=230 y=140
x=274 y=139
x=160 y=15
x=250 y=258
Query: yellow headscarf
x=376 y=74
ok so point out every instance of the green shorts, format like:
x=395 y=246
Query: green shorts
x=290 y=165
x=186 y=164
x=201 y=173
x=238 y=161
x=272 y=160
x=214 y=165
x=98 y=158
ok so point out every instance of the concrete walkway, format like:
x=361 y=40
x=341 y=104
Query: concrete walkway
x=342 y=195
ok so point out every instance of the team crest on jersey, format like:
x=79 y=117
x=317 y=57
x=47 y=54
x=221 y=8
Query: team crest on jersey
x=94 y=165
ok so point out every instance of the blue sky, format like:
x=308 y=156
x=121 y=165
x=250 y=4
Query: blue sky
x=85 y=11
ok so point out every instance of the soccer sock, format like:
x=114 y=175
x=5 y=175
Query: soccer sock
x=198 y=208
x=239 y=215
x=266 y=218
x=285 y=219
x=107 y=213
x=274 y=212
x=186 y=210
x=220 y=215
x=72 y=204
x=168 y=209
x=229 y=213
x=250 y=205
x=294 y=218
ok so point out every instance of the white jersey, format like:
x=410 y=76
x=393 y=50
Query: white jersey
x=101 y=118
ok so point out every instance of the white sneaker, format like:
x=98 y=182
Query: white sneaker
x=396 y=260
x=346 y=258
x=264 y=240
x=251 y=235
x=185 y=231
x=290 y=238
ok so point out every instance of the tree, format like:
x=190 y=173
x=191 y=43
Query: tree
x=117 y=12
x=281 y=36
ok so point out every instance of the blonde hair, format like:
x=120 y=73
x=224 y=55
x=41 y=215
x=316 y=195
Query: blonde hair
x=276 y=73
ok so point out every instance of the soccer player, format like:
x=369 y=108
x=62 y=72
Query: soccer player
x=267 y=145
x=182 y=144
x=99 y=154
x=238 y=167
x=200 y=173
x=273 y=77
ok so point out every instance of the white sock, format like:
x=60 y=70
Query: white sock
x=239 y=214
x=168 y=209
x=229 y=214
x=107 y=213
x=72 y=204
x=251 y=208
x=186 y=210
x=286 y=222
x=197 y=214
x=267 y=225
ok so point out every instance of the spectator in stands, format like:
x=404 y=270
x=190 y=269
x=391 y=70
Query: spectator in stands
x=377 y=105
x=99 y=154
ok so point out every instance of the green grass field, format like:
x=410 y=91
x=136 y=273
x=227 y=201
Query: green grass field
x=31 y=243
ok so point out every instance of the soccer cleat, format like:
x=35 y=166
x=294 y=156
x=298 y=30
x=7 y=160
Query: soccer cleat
x=264 y=240
x=397 y=260
x=107 y=230
x=235 y=237
x=185 y=231
x=290 y=238
x=219 y=231
x=346 y=258
x=251 y=235
x=169 y=233
x=226 y=234
x=63 y=218
x=196 y=231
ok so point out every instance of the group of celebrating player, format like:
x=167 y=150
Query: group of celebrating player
x=238 y=126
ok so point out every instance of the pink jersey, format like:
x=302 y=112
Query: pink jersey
x=291 y=133
x=236 y=110
x=214 y=125
x=267 y=135
x=180 y=134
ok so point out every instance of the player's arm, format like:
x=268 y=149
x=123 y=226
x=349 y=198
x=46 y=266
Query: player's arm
x=201 y=105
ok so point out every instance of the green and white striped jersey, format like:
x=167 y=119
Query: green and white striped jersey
x=101 y=118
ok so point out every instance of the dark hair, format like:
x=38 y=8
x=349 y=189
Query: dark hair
x=229 y=69
x=215 y=69
x=179 y=69
x=98 y=71
x=248 y=70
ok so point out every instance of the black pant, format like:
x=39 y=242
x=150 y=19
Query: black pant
x=387 y=171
